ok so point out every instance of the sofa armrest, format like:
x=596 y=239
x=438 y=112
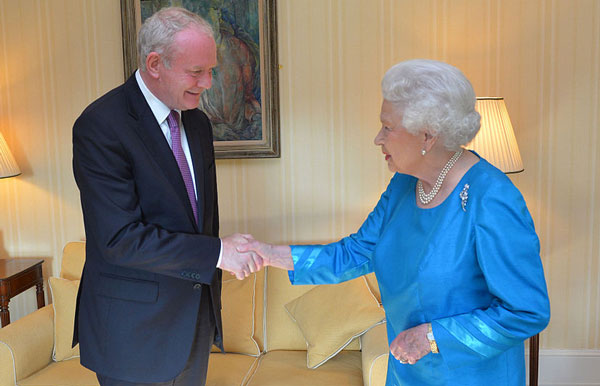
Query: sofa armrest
x=26 y=345
x=375 y=352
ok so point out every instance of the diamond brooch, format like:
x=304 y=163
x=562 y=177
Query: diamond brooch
x=464 y=196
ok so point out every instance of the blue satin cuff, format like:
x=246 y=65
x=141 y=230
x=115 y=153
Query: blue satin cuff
x=491 y=333
x=463 y=335
x=303 y=257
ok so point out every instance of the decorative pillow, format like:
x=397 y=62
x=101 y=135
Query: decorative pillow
x=331 y=316
x=64 y=298
x=238 y=302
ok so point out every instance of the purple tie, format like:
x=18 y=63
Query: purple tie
x=184 y=168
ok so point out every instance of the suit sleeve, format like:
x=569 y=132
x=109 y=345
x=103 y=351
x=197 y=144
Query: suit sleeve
x=507 y=250
x=113 y=217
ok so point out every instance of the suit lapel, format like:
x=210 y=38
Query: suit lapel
x=154 y=140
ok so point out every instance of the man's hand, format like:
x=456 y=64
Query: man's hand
x=279 y=256
x=411 y=345
x=240 y=264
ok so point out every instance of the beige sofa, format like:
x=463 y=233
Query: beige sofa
x=273 y=332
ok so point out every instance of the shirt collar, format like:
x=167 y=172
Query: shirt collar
x=159 y=109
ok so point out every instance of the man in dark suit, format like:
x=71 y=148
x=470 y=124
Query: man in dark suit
x=149 y=300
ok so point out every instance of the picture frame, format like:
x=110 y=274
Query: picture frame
x=250 y=135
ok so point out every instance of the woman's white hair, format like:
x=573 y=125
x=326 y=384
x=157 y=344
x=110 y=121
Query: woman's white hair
x=159 y=30
x=435 y=97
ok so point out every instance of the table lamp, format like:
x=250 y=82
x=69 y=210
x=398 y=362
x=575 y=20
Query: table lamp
x=496 y=140
x=8 y=165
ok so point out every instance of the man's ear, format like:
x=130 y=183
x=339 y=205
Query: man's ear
x=153 y=63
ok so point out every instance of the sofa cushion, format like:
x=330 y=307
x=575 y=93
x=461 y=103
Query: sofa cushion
x=72 y=260
x=66 y=373
x=230 y=369
x=331 y=316
x=277 y=368
x=64 y=298
x=238 y=299
x=280 y=330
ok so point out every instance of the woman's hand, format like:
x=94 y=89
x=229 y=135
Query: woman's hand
x=279 y=256
x=411 y=345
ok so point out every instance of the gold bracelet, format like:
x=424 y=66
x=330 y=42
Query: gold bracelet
x=432 y=343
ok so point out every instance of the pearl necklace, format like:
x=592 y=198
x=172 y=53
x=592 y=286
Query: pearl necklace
x=426 y=198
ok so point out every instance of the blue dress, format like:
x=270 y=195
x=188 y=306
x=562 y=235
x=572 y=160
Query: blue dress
x=475 y=274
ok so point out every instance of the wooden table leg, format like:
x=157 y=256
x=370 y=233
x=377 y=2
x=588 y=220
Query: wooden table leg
x=39 y=291
x=4 y=314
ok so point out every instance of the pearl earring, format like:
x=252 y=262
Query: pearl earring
x=423 y=152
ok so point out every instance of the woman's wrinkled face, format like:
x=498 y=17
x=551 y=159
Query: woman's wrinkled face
x=402 y=149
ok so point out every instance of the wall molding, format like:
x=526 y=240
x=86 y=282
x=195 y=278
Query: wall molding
x=568 y=368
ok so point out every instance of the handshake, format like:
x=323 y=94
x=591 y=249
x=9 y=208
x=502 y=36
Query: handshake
x=243 y=255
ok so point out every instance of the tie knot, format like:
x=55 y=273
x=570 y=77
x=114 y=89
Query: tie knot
x=173 y=120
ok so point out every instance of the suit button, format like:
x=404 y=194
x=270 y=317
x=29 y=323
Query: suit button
x=197 y=286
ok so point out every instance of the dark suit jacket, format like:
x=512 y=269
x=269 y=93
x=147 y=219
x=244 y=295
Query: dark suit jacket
x=146 y=260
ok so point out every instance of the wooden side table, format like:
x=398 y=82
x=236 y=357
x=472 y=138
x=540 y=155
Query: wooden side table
x=16 y=276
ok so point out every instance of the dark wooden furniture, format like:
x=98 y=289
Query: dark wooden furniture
x=534 y=352
x=16 y=276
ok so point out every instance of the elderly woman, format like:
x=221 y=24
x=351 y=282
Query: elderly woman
x=451 y=241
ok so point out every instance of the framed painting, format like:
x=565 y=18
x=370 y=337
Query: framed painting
x=243 y=102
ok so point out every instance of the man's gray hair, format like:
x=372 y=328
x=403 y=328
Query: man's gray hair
x=435 y=97
x=159 y=30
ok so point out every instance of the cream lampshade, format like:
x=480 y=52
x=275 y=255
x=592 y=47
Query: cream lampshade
x=496 y=140
x=8 y=165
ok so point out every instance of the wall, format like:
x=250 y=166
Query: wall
x=542 y=56
x=55 y=57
